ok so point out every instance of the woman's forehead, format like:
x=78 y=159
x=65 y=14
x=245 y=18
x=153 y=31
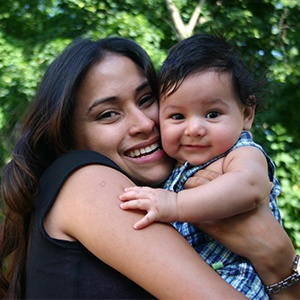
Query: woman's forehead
x=113 y=77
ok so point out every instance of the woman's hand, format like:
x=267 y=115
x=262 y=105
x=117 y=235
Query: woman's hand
x=201 y=177
x=258 y=236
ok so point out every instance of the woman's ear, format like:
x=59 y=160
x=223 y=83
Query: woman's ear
x=249 y=113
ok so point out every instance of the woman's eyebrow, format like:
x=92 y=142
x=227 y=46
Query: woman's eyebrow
x=142 y=86
x=100 y=101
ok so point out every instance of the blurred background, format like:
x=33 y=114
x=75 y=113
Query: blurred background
x=267 y=33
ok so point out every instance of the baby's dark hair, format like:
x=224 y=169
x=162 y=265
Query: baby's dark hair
x=204 y=52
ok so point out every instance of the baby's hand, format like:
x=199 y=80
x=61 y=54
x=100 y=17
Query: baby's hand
x=161 y=205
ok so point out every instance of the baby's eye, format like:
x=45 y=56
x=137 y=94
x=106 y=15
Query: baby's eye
x=213 y=115
x=177 y=116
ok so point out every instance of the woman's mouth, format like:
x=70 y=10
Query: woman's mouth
x=143 y=151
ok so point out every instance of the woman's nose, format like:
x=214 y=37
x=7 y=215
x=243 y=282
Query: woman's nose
x=141 y=123
x=195 y=127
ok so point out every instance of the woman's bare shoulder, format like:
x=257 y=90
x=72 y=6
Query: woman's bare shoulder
x=88 y=192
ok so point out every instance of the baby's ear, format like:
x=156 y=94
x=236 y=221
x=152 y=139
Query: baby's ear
x=249 y=113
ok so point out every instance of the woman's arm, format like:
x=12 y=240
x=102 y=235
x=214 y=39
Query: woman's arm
x=157 y=258
x=257 y=236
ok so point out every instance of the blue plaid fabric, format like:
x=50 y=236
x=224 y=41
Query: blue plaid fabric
x=236 y=270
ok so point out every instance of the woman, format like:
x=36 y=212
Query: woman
x=64 y=230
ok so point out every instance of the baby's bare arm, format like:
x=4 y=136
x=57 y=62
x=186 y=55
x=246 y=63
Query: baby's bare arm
x=243 y=185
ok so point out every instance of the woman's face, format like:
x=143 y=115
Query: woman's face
x=117 y=115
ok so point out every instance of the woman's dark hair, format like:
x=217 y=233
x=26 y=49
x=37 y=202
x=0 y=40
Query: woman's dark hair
x=44 y=136
x=204 y=52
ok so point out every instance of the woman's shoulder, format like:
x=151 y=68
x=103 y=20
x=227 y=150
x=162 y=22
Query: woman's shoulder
x=76 y=171
x=85 y=185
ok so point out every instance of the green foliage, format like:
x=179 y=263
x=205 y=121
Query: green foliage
x=267 y=32
x=287 y=160
x=280 y=145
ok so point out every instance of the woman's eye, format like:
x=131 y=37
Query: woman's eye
x=177 y=116
x=213 y=115
x=147 y=100
x=106 y=115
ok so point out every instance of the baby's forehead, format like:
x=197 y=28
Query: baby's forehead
x=172 y=84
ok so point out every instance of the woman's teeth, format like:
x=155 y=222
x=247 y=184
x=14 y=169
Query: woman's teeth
x=146 y=150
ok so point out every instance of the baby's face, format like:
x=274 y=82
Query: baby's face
x=203 y=118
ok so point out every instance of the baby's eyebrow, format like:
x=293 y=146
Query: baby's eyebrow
x=215 y=101
x=169 y=107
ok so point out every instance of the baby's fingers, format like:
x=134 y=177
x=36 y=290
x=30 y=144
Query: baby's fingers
x=141 y=204
x=149 y=218
x=130 y=195
x=134 y=193
x=131 y=188
x=145 y=221
x=137 y=188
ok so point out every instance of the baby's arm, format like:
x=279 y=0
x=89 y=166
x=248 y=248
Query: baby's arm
x=242 y=187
